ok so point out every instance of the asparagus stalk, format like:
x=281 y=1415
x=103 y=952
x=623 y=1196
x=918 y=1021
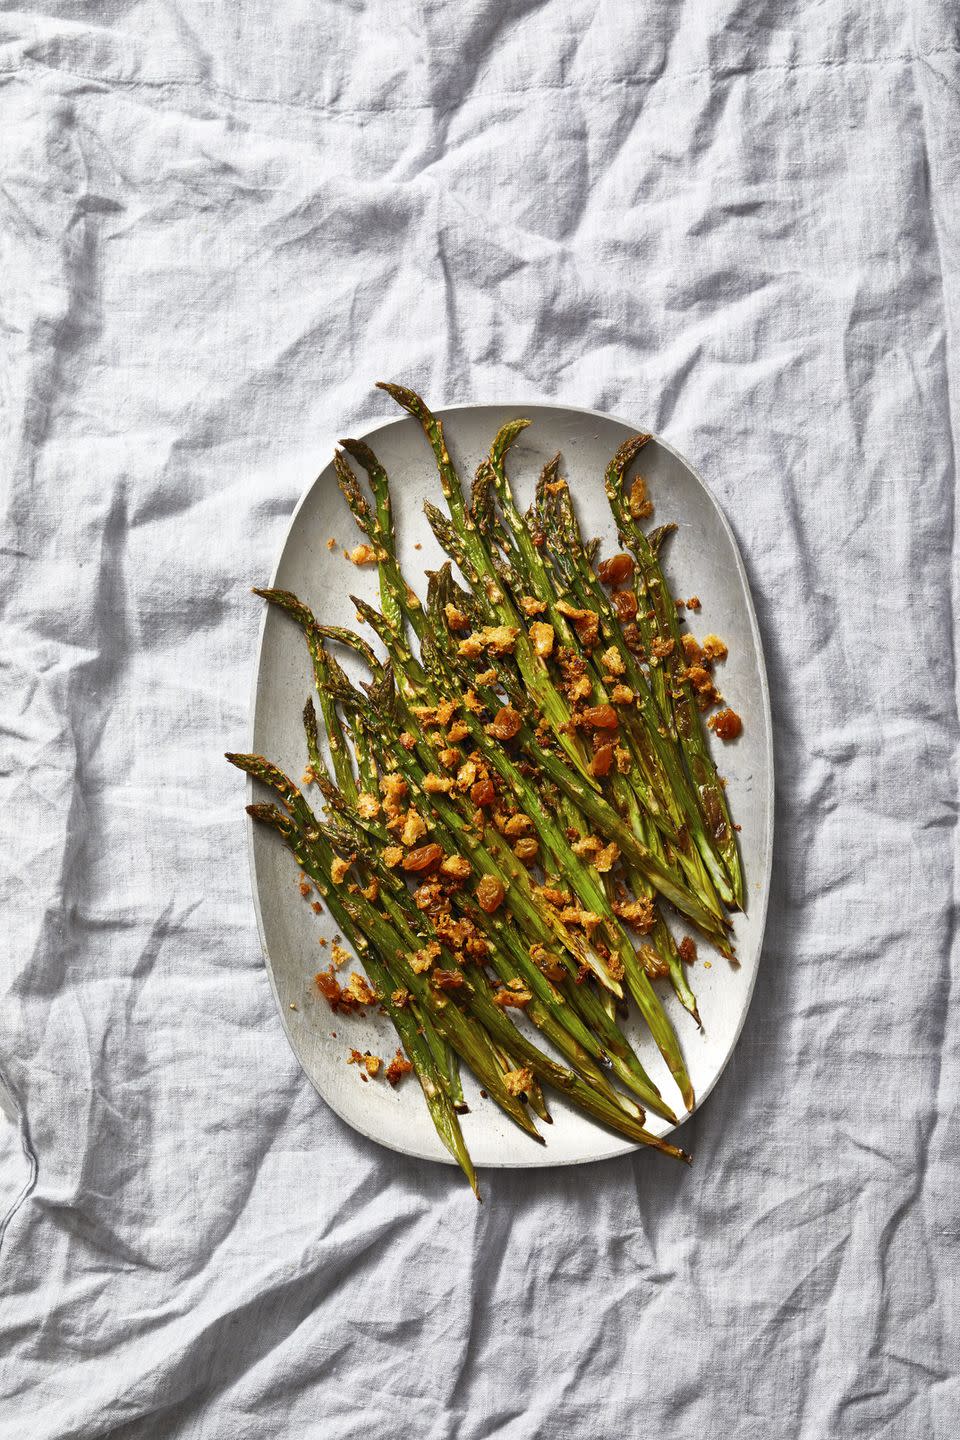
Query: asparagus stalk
x=366 y=927
x=689 y=731
x=316 y=858
x=415 y=1046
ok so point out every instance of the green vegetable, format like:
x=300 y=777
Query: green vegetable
x=488 y=872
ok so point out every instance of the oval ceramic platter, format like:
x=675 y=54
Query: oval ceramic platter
x=701 y=559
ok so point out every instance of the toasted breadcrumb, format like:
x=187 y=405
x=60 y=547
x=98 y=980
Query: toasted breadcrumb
x=548 y=964
x=515 y=994
x=694 y=602
x=688 y=950
x=331 y=543
x=398 y=1067
x=638 y=914
x=499 y=639
x=613 y=661
x=339 y=868
x=662 y=648
x=346 y=1000
x=542 y=636
x=574 y=915
x=714 y=648
x=359 y=990
x=400 y=998
x=339 y=955
x=437 y=784
x=691 y=650
x=370 y=1063
x=368 y=806
x=585 y=622
x=423 y=958
x=392 y=856
x=641 y=506
x=467 y=774
x=519 y=1082
x=394 y=790
x=362 y=555
x=621 y=695
x=531 y=606
x=456 y=619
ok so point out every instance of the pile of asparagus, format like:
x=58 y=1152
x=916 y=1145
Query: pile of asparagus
x=514 y=795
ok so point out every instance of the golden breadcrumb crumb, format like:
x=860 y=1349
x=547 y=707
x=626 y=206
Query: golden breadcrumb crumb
x=339 y=868
x=422 y=959
x=398 y=1067
x=519 y=1082
x=542 y=636
x=641 y=506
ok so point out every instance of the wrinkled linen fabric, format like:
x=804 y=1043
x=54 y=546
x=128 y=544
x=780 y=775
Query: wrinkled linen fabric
x=736 y=223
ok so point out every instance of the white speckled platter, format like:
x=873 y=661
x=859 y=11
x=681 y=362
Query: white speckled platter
x=702 y=559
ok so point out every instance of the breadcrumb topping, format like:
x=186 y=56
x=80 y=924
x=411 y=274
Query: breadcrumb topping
x=398 y=1067
x=519 y=1082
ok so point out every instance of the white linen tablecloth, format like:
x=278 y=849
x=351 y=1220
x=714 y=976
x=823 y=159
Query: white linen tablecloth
x=735 y=222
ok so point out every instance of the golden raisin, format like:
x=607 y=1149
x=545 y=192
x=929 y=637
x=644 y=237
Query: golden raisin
x=490 y=894
x=483 y=793
x=505 y=723
x=447 y=979
x=425 y=857
x=726 y=724
x=600 y=717
x=625 y=603
x=617 y=569
x=602 y=760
